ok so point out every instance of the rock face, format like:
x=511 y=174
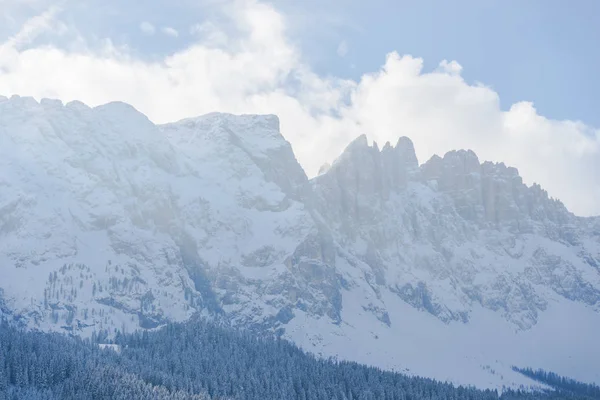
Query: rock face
x=451 y=221
x=451 y=269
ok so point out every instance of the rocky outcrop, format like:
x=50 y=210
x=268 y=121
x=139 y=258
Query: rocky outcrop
x=452 y=218
x=493 y=195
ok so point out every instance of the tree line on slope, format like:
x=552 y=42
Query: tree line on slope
x=200 y=360
x=561 y=383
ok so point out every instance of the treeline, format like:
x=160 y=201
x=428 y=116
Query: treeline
x=35 y=366
x=561 y=383
x=200 y=360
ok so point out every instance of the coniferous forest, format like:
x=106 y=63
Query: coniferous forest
x=200 y=360
x=561 y=383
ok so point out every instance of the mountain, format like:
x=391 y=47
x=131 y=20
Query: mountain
x=110 y=222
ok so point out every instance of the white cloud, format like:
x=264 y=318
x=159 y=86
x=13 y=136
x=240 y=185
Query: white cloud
x=167 y=30
x=147 y=28
x=9 y=50
x=260 y=71
x=452 y=67
x=32 y=28
x=342 y=48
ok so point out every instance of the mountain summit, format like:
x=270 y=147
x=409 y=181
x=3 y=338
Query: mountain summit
x=452 y=269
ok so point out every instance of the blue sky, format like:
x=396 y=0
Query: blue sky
x=543 y=51
x=513 y=80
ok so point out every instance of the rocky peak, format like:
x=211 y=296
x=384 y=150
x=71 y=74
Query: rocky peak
x=400 y=163
x=459 y=175
x=255 y=138
x=355 y=152
x=406 y=151
x=364 y=175
x=388 y=168
x=491 y=194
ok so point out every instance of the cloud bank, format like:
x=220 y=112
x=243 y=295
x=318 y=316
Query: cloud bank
x=255 y=68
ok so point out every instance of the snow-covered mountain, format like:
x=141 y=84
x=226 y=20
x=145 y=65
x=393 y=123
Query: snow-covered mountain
x=453 y=269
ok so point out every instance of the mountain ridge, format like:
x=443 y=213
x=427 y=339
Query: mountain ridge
x=108 y=221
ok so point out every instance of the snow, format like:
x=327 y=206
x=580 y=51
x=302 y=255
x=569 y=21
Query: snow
x=422 y=345
x=114 y=347
x=108 y=221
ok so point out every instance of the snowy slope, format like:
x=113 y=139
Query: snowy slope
x=452 y=269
